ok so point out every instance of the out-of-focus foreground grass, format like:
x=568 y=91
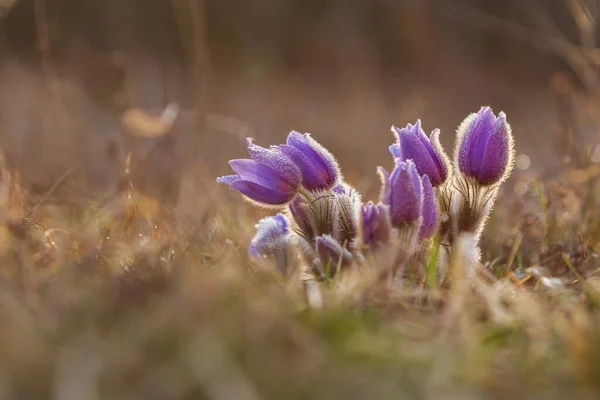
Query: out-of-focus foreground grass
x=117 y=298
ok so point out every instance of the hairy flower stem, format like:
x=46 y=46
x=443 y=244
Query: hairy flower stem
x=306 y=194
x=432 y=266
x=471 y=207
x=397 y=269
x=444 y=195
x=402 y=250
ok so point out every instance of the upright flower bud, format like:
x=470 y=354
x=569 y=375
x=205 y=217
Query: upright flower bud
x=427 y=153
x=269 y=177
x=483 y=155
x=318 y=166
x=376 y=225
x=402 y=192
x=430 y=211
x=484 y=148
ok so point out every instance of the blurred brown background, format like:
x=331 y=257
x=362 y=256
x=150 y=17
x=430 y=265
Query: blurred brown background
x=345 y=70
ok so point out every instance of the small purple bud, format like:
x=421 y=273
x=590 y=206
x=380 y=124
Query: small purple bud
x=318 y=166
x=341 y=188
x=332 y=252
x=427 y=153
x=376 y=225
x=271 y=236
x=405 y=194
x=430 y=212
x=484 y=149
x=269 y=178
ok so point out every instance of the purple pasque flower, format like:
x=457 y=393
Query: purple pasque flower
x=271 y=236
x=331 y=252
x=269 y=177
x=376 y=225
x=429 y=224
x=427 y=153
x=402 y=191
x=319 y=168
x=484 y=148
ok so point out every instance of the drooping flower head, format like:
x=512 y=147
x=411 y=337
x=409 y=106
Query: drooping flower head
x=271 y=236
x=318 y=166
x=429 y=224
x=376 y=225
x=484 y=148
x=427 y=153
x=269 y=177
x=402 y=191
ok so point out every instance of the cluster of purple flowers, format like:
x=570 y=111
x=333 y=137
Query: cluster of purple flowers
x=326 y=218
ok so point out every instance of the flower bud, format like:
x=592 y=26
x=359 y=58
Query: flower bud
x=376 y=225
x=427 y=153
x=484 y=149
x=318 y=166
x=268 y=178
x=402 y=192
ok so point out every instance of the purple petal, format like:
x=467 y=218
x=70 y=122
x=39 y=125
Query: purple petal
x=417 y=130
x=341 y=188
x=395 y=150
x=319 y=167
x=228 y=179
x=376 y=225
x=496 y=153
x=461 y=149
x=330 y=251
x=429 y=223
x=405 y=199
x=275 y=160
x=271 y=233
x=262 y=194
x=250 y=170
x=477 y=130
x=440 y=158
x=313 y=175
x=367 y=211
x=484 y=148
x=414 y=145
x=415 y=177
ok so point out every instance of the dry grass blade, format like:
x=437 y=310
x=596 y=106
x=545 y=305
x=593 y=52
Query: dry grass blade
x=585 y=22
